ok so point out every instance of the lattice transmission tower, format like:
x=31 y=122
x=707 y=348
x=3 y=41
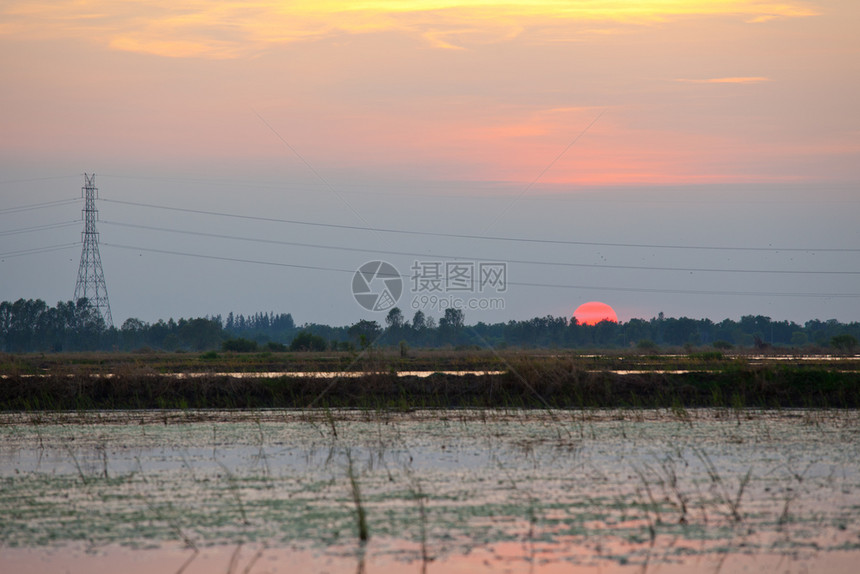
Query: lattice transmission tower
x=91 y=278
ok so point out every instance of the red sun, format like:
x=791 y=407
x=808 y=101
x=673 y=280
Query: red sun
x=594 y=312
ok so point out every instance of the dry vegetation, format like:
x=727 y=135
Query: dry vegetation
x=377 y=379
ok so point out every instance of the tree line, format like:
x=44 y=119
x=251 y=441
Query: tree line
x=33 y=326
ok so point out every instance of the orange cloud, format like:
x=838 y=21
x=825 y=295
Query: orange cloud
x=232 y=29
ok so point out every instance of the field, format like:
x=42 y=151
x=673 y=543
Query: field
x=386 y=380
x=436 y=462
x=430 y=491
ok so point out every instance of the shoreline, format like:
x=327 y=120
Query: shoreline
x=539 y=387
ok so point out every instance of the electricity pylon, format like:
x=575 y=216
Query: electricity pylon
x=91 y=278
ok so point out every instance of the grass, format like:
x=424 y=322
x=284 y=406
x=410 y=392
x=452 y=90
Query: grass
x=534 y=379
x=731 y=502
x=360 y=514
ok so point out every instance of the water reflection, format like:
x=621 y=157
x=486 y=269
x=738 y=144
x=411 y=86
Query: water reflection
x=443 y=491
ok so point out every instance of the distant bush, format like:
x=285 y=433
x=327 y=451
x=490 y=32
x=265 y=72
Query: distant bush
x=275 y=347
x=239 y=345
x=724 y=345
x=843 y=343
x=646 y=345
x=306 y=341
x=209 y=355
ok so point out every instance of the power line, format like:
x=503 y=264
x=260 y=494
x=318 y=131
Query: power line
x=39 y=205
x=442 y=190
x=224 y=258
x=695 y=291
x=40 y=227
x=28 y=180
x=488 y=238
x=35 y=250
x=318 y=175
x=519 y=284
x=461 y=257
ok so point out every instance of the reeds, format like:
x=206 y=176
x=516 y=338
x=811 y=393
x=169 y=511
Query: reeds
x=732 y=503
x=360 y=515
x=526 y=381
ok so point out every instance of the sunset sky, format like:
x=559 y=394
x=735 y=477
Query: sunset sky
x=664 y=125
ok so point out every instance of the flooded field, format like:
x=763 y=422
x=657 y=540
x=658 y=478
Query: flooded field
x=430 y=491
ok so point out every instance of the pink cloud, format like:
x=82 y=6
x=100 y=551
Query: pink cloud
x=727 y=80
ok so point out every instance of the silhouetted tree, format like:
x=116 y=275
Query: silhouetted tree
x=844 y=343
x=394 y=319
x=306 y=341
x=365 y=333
x=418 y=321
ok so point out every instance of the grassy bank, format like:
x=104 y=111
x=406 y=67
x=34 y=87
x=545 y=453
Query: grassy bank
x=527 y=380
x=387 y=360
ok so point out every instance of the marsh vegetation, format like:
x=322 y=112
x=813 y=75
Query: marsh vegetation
x=377 y=379
x=428 y=461
x=524 y=490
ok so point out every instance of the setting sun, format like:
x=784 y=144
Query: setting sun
x=594 y=312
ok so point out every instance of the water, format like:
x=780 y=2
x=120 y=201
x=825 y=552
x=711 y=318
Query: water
x=443 y=491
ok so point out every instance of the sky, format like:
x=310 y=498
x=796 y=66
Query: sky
x=697 y=158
